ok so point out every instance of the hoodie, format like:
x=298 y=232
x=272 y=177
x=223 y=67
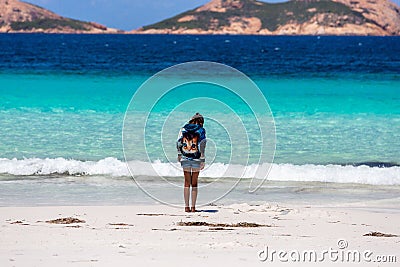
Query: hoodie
x=191 y=143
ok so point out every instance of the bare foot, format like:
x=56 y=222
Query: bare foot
x=193 y=209
x=187 y=209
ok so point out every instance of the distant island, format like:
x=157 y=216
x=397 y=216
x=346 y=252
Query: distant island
x=295 y=17
x=18 y=16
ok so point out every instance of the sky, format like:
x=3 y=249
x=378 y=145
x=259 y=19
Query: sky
x=121 y=14
x=124 y=14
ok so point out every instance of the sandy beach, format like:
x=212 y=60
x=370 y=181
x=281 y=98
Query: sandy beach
x=158 y=235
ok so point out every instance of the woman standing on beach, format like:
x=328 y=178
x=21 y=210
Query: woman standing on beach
x=191 y=147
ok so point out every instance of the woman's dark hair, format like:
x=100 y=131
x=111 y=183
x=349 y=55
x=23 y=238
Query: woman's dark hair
x=197 y=119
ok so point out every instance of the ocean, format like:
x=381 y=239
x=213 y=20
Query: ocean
x=335 y=102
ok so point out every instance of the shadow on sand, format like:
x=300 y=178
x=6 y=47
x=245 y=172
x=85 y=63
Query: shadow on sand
x=208 y=211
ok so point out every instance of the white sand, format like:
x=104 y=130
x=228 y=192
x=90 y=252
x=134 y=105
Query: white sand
x=158 y=241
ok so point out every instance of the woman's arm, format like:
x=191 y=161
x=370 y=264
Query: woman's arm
x=203 y=148
x=178 y=145
x=203 y=153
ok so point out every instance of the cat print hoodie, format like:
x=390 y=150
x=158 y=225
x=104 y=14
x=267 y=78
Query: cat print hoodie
x=191 y=143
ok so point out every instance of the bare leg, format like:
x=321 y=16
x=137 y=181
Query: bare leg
x=186 y=192
x=195 y=176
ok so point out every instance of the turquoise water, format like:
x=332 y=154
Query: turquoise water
x=63 y=116
x=318 y=121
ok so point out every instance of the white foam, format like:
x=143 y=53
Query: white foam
x=36 y=166
x=279 y=172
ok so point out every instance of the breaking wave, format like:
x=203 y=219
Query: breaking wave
x=376 y=174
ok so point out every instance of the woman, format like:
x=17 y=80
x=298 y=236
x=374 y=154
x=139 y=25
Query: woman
x=191 y=147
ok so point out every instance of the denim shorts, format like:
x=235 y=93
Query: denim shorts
x=195 y=164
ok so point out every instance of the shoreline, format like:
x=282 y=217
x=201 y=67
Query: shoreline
x=157 y=234
x=107 y=191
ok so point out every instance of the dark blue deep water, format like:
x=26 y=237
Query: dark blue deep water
x=326 y=56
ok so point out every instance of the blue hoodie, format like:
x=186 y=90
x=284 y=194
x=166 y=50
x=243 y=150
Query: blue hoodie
x=191 y=142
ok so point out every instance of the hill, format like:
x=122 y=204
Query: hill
x=17 y=16
x=302 y=17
